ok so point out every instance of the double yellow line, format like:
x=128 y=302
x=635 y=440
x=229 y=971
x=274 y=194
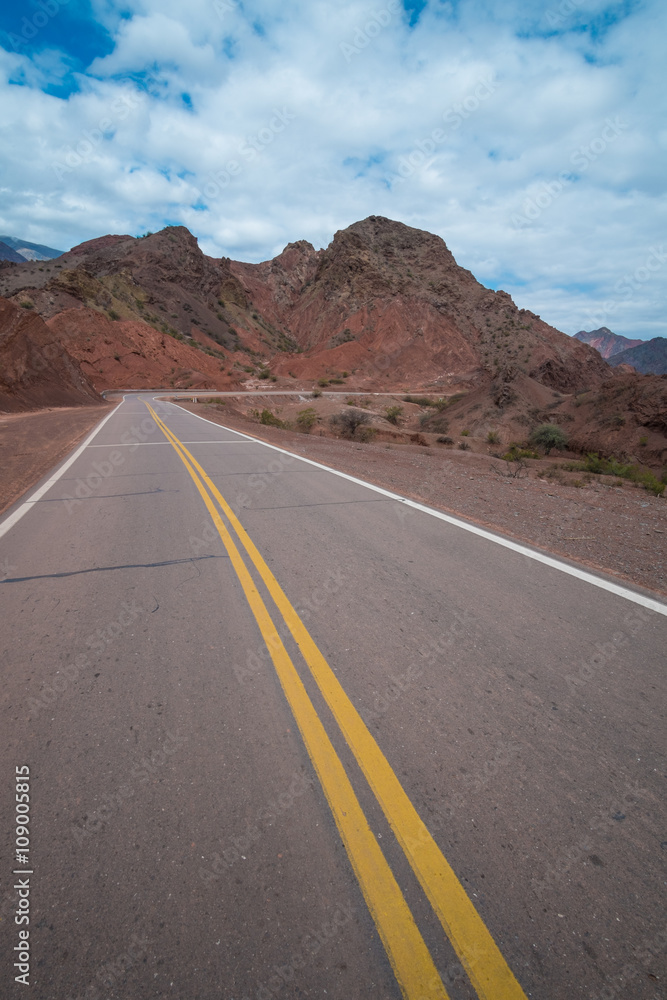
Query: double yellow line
x=411 y=961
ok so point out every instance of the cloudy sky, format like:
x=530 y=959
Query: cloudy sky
x=529 y=134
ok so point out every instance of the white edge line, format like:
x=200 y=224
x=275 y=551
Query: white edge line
x=45 y=487
x=580 y=574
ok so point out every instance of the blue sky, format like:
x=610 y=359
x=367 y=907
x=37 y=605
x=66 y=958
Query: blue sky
x=530 y=135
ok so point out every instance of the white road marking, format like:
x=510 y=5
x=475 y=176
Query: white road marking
x=45 y=487
x=580 y=574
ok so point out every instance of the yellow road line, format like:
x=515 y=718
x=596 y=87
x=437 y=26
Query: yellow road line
x=411 y=961
x=482 y=959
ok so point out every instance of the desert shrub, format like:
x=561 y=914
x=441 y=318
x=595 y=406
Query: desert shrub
x=315 y=393
x=464 y=446
x=306 y=419
x=600 y=466
x=27 y=304
x=493 y=437
x=419 y=439
x=518 y=451
x=347 y=422
x=465 y=434
x=263 y=373
x=643 y=441
x=322 y=382
x=392 y=413
x=336 y=381
x=443 y=439
x=549 y=436
x=268 y=418
x=112 y=314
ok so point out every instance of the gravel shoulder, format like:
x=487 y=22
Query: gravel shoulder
x=620 y=530
x=32 y=443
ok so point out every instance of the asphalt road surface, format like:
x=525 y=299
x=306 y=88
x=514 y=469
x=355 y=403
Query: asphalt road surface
x=274 y=733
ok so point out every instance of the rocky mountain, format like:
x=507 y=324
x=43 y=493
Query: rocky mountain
x=606 y=342
x=29 y=251
x=36 y=368
x=384 y=303
x=384 y=306
x=390 y=303
x=649 y=357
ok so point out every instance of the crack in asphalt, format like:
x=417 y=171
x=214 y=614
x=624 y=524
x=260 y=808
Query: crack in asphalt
x=106 y=569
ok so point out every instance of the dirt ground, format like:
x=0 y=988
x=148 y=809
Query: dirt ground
x=31 y=444
x=620 y=529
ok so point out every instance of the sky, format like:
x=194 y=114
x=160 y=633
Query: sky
x=531 y=135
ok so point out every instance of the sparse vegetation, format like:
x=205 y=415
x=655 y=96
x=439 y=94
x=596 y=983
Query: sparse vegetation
x=443 y=439
x=549 y=436
x=322 y=382
x=306 y=419
x=27 y=304
x=599 y=466
x=464 y=446
x=465 y=434
x=268 y=418
x=316 y=393
x=348 y=422
x=393 y=414
x=493 y=437
x=112 y=314
x=516 y=452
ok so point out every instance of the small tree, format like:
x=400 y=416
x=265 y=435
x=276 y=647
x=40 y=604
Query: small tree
x=549 y=436
x=349 y=420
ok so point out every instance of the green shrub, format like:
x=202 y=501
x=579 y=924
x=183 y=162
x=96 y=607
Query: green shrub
x=465 y=434
x=268 y=418
x=493 y=437
x=322 y=382
x=549 y=436
x=516 y=452
x=112 y=314
x=393 y=413
x=306 y=419
x=27 y=304
x=263 y=373
x=464 y=446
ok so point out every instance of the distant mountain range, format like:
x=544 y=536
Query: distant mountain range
x=604 y=341
x=18 y=250
x=648 y=357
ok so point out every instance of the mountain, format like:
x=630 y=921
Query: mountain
x=606 y=342
x=384 y=306
x=649 y=357
x=29 y=251
x=7 y=253
x=36 y=368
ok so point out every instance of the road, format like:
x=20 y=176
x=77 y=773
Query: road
x=289 y=736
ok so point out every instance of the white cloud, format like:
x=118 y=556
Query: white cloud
x=299 y=120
